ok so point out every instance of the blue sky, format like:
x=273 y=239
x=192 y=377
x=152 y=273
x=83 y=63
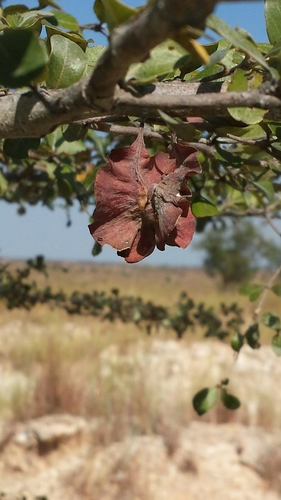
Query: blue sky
x=42 y=231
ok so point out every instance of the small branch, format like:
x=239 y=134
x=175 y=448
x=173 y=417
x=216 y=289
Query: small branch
x=271 y=223
x=123 y=130
x=132 y=41
x=249 y=212
x=25 y=115
x=36 y=114
x=264 y=294
x=235 y=138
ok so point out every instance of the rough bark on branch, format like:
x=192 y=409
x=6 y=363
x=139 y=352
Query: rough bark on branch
x=34 y=115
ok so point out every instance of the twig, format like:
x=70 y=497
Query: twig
x=271 y=223
x=265 y=293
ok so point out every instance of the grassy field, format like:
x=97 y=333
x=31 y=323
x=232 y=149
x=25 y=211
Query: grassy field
x=53 y=362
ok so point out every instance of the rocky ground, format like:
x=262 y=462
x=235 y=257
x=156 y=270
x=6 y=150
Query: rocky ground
x=58 y=456
x=54 y=457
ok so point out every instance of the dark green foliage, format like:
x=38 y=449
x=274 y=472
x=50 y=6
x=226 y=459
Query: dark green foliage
x=205 y=400
x=17 y=289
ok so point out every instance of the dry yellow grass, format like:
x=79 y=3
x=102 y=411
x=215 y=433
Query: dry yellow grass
x=56 y=362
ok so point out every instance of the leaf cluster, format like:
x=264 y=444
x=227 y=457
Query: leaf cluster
x=19 y=289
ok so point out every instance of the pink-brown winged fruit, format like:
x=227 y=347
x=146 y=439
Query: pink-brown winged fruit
x=141 y=201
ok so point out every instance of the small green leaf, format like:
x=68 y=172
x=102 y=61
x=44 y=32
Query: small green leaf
x=3 y=183
x=93 y=54
x=22 y=58
x=65 y=20
x=273 y=19
x=74 y=132
x=14 y=9
x=253 y=291
x=67 y=62
x=250 y=116
x=72 y=36
x=161 y=62
x=18 y=148
x=184 y=130
x=237 y=39
x=205 y=399
x=252 y=336
x=64 y=187
x=250 y=132
x=88 y=182
x=71 y=148
x=203 y=208
x=276 y=344
x=238 y=82
x=266 y=188
x=229 y=401
x=113 y=12
x=276 y=289
x=271 y=321
x=237 y=341
x=97 y=249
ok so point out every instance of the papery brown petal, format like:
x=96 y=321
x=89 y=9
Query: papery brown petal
x=140 y=200
x=167 y=219
x=184 y=230
x=119 y=232
x=185 y=155
x=120 y=197
x=143 y=245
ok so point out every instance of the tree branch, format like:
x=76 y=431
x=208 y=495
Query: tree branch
x=35 y=114
x=25 y=115
x=132 y=41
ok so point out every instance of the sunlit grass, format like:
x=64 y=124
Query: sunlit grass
x=132 y=383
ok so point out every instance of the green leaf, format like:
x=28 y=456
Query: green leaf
x=273 y=19
x=22 y=58
x=205 y=399
x=28 y=19
x=250 y=116
x=252 y=336
x=97 y=249
x=93 y=54
x=14 y=9
x=161 y=62
x=266 y=188
x=88 y=182
x=18 y=148
x=65 y=188
x=185 y=131
x=3 y=183
x=229 y=401
x=237 y=341
x=271 y=321
x=276 y=344
x=253 y=291
x=65 y=20
x=276 y=289
x=237 y=39
x=250 y=132
x=67 y=62
x=113 y=12
x=238 y=81
x=73 y=37
x=71 y=148
x=201 y=207
x=74 y=132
